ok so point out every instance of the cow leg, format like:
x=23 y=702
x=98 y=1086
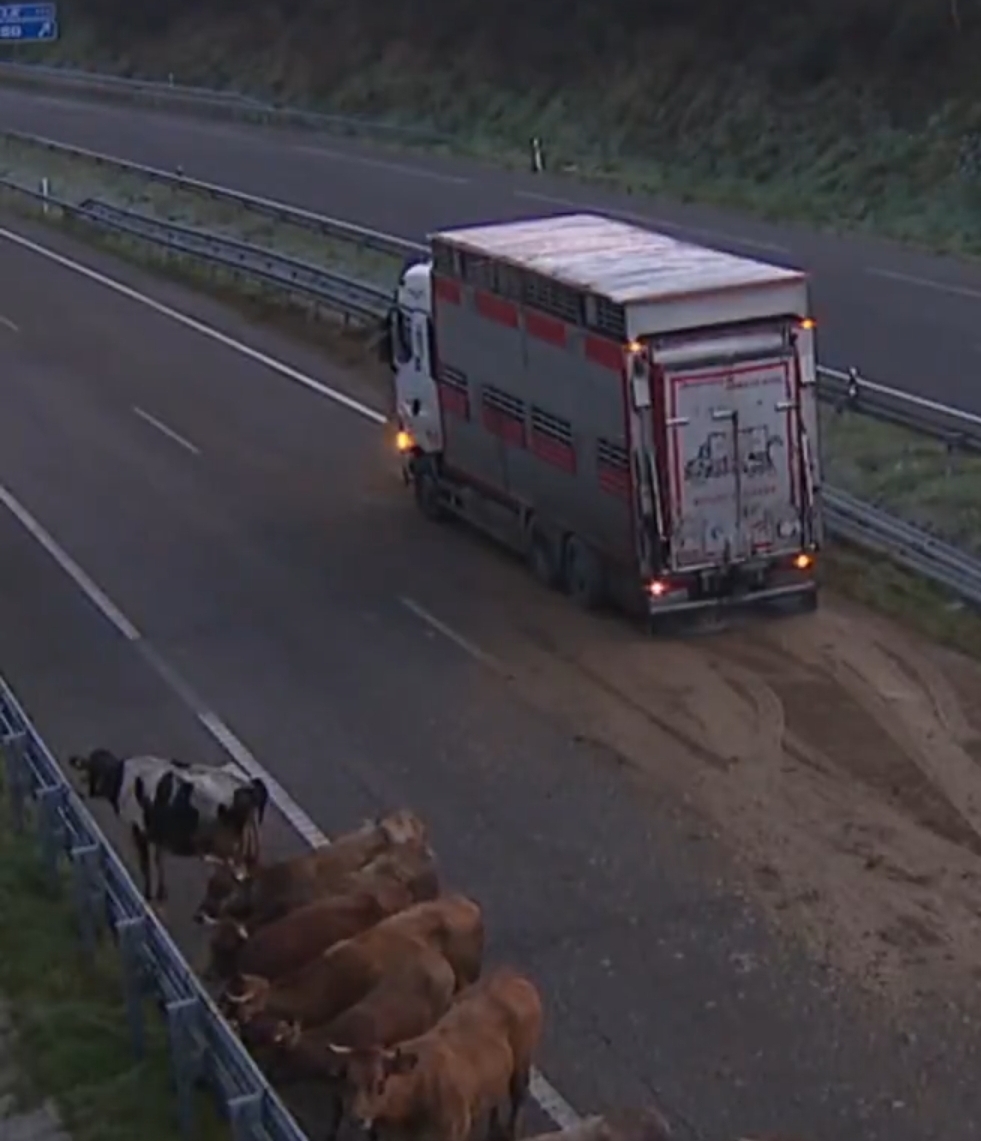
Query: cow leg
x=143 y=855
x=520 y=1080
x=335 y=1114
x=158 y=859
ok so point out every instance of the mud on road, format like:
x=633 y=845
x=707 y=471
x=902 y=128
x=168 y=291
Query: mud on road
x=836 y=754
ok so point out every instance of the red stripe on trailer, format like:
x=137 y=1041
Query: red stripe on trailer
x=553 y=451
x=545 y=328
x=454 y=402
x=609 y=354
x=614 y=481
x=448 y=290
x=508 y=428
x=496 y=309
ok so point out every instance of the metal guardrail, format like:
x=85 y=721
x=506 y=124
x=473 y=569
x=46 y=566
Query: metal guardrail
x=957 y=428
x=345 y=295
x=220 y=103
x=844 y=515
x=903 y=543
x=203 y=1048
x=348 y=232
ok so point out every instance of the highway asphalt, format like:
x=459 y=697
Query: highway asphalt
x=902 y=317
x=257 y=536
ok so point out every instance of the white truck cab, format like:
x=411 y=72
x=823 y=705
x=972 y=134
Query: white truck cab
x=413 y=362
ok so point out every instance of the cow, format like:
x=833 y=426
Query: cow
x=642 y=1125
x=178 y=808
x=474 y=1060
x=271 y=892
x=406 y=1001
x=342 y=976
x=284 y=945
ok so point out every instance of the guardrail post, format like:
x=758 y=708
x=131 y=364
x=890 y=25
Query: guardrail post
x=131 y=933
x=12 y=746
x=180 y=1017
x=84 y=859
x=50 y=800
x=243 y=1116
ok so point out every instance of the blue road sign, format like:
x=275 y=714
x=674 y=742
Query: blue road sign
x=28 y=23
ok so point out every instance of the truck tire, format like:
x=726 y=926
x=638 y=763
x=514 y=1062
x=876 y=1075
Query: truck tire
x=584 y=577
x=543 y=559
x=427 y=495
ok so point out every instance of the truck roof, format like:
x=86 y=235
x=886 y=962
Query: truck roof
x=614 y=259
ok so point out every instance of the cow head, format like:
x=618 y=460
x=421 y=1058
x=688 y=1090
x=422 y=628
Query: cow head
x=223 y=885
x=402 y=827
x=245 y=997
x=103 y=773
x=227 y=940
x=368 y=1074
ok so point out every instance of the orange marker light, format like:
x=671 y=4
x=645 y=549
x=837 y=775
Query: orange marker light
x=808 y=323
x=803 y=561
x=403 y=441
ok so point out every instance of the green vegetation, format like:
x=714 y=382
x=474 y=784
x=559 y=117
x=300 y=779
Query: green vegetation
x=905 y=473
x=846 y=112
x=72 y=1040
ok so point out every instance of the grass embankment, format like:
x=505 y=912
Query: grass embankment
x=845 y=113
x=72 y=1038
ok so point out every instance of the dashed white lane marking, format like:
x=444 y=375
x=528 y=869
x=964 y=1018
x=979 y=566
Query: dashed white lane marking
x=164 y=430
x=380 y=164
x=660 y=223
x=187 y=322
x=544 y=1093
x=8 y=324
x=451 y=635
x=925 y=282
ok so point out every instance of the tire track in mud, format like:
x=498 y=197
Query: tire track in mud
x=830 y=753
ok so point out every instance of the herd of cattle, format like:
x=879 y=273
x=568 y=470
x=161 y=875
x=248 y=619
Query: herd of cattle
x=348 y=966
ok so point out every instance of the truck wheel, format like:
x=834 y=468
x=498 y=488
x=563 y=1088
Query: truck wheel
x=584 y=574
x=542 y=559
x=427 y=496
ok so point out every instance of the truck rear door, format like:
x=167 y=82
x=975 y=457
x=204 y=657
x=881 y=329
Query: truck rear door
x=733 y=437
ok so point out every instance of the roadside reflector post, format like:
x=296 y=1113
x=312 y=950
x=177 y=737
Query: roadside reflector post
x=537 y=155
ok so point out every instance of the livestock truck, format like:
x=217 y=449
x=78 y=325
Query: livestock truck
x=636 y=415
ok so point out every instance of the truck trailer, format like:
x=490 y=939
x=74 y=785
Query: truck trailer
x=634 y=414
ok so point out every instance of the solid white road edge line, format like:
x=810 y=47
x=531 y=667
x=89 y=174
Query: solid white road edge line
x=161 y=427
x=550 y=1100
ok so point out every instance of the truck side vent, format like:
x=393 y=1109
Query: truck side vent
x=503 y=415
x=554 y=297
x=606 y=316
x=551 y=440
x=454 y=395
x=613 y=468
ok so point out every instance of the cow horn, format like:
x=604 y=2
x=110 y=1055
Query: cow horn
x=211 y=858
x=240 y=875
x=341 y=1050
x=242 y=932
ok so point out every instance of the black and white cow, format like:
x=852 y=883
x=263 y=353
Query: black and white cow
x=185 y=810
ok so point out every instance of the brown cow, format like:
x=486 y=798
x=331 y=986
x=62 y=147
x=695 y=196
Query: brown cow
x=284 y=945
x=478 y=1056
x=643 y=1125
x=270 y=892
x=342 y=976
x=407 y=1001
